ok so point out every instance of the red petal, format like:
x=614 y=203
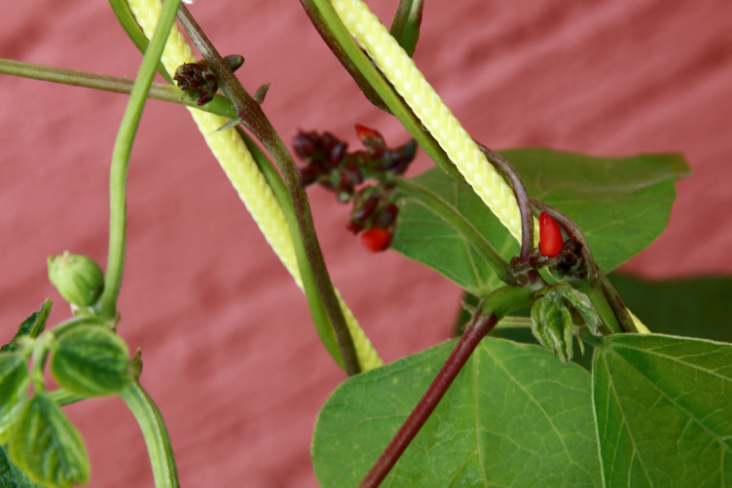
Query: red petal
x=376 y=239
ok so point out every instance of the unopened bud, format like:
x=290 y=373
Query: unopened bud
x=234 y=61
x=197 y=82
x=78 y=278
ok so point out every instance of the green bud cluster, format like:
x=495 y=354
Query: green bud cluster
x=553 y=324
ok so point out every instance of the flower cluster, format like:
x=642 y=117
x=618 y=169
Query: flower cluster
x=329 y=164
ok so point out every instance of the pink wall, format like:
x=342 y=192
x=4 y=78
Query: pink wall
x=230 y=354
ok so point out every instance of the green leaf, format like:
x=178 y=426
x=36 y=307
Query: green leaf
x=515 y=416
x=32 y=326
x=664 y=411
x=425 y=237
x=406 y=24
x=621 y=205
x=47 y=447
x=91 y=360
x=13 y=372
x=11 y=476
x=694 y=307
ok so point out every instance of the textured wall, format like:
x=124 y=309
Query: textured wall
x=230 y=354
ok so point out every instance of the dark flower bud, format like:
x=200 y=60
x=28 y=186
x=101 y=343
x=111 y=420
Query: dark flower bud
x=387 y=217
x=308 y=175
x=364 y=205
x=363 y=210
x=196 y=82
x=399 y=160
x=305 y=145
x=327 y=142
x=351 y=171
x=79 y=279
x=336 y=153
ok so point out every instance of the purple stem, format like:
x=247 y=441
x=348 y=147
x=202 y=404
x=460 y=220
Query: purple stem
x=478 y=327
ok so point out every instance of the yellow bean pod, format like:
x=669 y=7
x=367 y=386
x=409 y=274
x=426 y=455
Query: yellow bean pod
x=243 y=172
x=408 y=81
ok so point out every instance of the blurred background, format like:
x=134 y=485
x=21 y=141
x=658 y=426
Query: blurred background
x=230 y=354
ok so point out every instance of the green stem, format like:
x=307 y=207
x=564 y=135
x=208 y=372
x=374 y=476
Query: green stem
x=125 y=18
x=435 y=203
x=252 y=117
x=333 y=31
x=512 y=322
x=220 y=105
x=155 y=433
x=121 y=158
x=317 y=310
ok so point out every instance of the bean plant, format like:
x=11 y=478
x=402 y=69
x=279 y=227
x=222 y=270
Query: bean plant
x=551 y=379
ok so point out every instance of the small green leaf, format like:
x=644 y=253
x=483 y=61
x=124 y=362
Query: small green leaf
x=32 y=326
x=47 y=447
x=91 y=360
x=13 y=372
x=664 y=411
x=693 y=307
x=621 y=205
x=406 y=24
x=11 y=476
x=515 y=416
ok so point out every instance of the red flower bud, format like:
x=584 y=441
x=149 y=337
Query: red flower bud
x=363 y=132
x=376 y=239
x=372 y=140
x=551 y=241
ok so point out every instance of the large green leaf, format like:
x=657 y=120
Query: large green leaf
x=91 y=360
x=515 y=416
x=664 y=411
x=47 y=447
x=694 y=307
x=425 y=237
x=621 y=205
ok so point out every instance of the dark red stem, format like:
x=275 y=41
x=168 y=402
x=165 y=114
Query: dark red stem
x=478 y=327
x=522 y=198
